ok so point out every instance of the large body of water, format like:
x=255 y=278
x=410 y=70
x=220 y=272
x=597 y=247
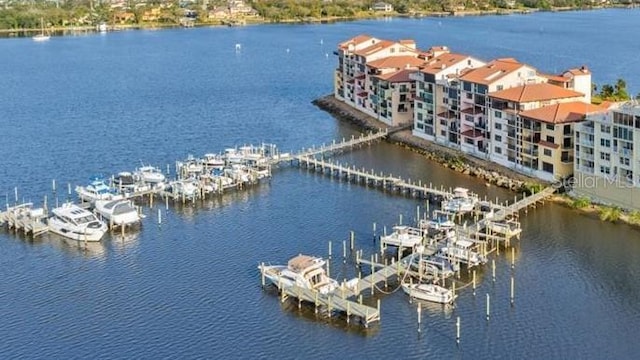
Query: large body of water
x=189 y=288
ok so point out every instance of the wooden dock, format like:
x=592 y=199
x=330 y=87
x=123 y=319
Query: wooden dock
x=333 y=302
x=25 y=218
x=371 y=178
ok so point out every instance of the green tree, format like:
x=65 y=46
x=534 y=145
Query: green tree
x=620 y=88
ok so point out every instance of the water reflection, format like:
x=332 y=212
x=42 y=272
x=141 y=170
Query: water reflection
x=89 y=249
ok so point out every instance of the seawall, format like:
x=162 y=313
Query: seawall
x=487 y=171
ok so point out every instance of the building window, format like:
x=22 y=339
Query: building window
x=567 y=130
x=468 y=141
x=605 y=170
x=605 y=128
x=419 y=116
x=624 y=161
x=499 y=87
x=498 y=126
x=419 y=105
x=550 y=127
x=605 y=156
x=469 y=96
x=443 y=133
x=498 y=150
x=498 y=114
x=546 y=167
x=498 y=138
x=551 y=139
x=547 y=152
x=605 y=142
x=420 y=126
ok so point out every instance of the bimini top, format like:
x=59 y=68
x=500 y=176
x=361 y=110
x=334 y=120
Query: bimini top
x=303 y=262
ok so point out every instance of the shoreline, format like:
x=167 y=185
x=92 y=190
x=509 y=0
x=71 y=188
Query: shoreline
x=492 y=174
x=242 y=21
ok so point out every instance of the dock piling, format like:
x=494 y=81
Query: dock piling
x=458 y=330
x=488 y=306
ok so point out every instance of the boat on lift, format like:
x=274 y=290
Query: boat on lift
x=303 y=271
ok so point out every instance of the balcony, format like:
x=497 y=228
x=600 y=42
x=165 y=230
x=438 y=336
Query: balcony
x=567 y=159
x=587 y=129
x=426 y=97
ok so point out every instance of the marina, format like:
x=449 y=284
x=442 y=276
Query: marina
x=189 y=286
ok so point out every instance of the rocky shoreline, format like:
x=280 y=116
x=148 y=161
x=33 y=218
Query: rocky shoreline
x=490 y=173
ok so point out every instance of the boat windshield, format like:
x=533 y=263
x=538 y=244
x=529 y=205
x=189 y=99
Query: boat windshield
x=85 y=219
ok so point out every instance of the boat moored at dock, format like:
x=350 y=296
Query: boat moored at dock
x=96 y=190
x=76 y=223
x=118 y=212
x=461 y=201
x=429 y=292
x=303 y=271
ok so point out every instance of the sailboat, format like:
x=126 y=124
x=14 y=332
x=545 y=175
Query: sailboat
x=41 y=36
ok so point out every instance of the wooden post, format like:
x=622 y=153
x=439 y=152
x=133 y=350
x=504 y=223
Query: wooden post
x=328 y=268
x=352 y=238
x=513 y=258
x=344 y=252
x=493 y=270
x=458 y=330
x=419 y=315
x=474 y=282
x=512 y=290
x=159 y=217
x=372 y=272
x=329 y=249
x=488 y=306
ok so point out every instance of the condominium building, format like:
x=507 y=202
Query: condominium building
x=351 y=80
x=389 y=90
x=474 y=86
x=607 y=151
x=436 y=107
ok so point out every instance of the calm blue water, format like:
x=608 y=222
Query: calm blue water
x=189 y=288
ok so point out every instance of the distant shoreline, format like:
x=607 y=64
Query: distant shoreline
x=239 y=22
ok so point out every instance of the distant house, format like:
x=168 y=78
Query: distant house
x=151 y=15
x=124 y=17
x=238 y=7
x=218 y=13
x=382 y=6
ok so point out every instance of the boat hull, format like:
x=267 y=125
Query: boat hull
x=92 y=235
x=429 y=292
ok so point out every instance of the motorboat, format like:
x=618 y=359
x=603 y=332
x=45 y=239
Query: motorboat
x=213 y=161
x=184 y=188
x=429 y=292
x=440 y=220
x=435 y=267
x=190 y=168
x=403 y=236
x=96 y=190
x=74 y=222
x=460 y=202
x=239 y=173
x=462 y=250
x=150 y=174
x=118 y=212
x=304 y=271
x=128 y=183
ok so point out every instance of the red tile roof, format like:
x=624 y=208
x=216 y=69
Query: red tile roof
x=398 y=76
x=395 y=62
x=561 y=113
x=534 y=92
x=379 y=46
x=472 y=133
x=493 y=71
x=355 y=41
x=442 y=62
x=557 y=78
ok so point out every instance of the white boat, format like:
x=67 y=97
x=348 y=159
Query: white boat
x=42 y=36
x=239 y=173
x=184 y=188
x=213 y=161
x=74 y=222
x=190 y=168
x=462 y=251
x=96 y=190
x=102 y=27
x=303 y=271
x=118 y=212
x=150 y=174
x=440 y=220
x=432 y=266
x=429 y=292
x=404 y=236
x=461 y=202
x=128 y=183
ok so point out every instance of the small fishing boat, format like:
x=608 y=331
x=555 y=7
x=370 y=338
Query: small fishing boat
x=462 y=250
x=303 y=271
x=460 y=202
x=429 y=292
x=151 y=175
x=76 y=223
x=213 y=161
x=42 y=36
x=404 y=236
